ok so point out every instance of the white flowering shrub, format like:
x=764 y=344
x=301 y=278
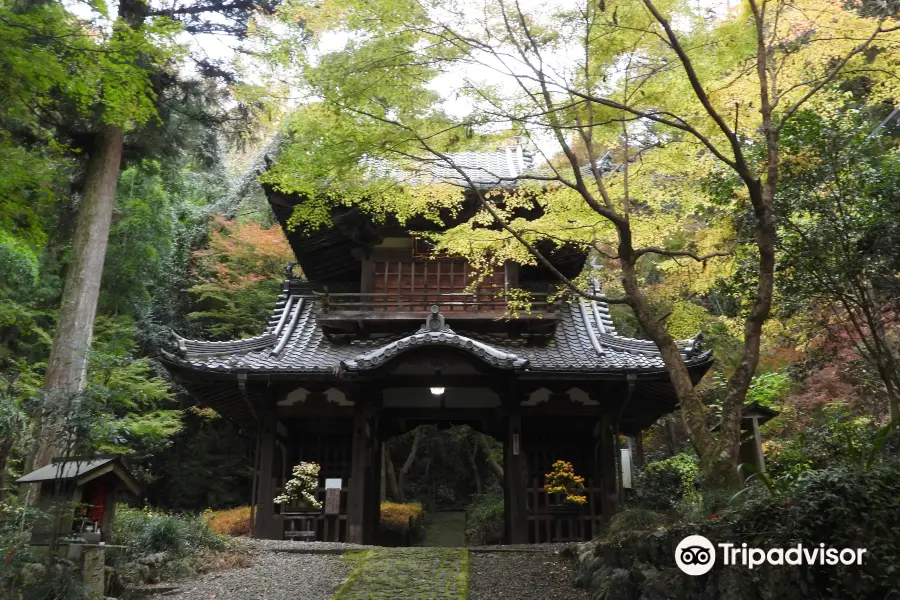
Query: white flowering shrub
x=301 y=486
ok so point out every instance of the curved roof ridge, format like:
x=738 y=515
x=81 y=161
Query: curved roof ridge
x=617 y=341
x=443 y=337
x=285 y=332
x=202 y=347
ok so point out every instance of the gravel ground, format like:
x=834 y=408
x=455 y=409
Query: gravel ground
x=272 y=576
x=304 y=547
x=548 y=548
x=285 y=570
x=535 y=576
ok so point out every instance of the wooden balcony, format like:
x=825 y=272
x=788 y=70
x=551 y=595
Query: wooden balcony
x=387 y=312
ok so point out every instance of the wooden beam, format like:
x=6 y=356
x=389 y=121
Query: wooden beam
x=515 y=478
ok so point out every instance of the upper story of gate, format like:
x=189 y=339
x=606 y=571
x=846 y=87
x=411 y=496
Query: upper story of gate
x=375 y=277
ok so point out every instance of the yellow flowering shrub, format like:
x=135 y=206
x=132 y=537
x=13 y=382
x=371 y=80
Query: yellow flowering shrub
x=563 y=480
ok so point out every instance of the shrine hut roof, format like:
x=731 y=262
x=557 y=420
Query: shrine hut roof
x=585 y=341
x=82 y=470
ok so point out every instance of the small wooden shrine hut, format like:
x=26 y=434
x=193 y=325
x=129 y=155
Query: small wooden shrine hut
x=382 y=336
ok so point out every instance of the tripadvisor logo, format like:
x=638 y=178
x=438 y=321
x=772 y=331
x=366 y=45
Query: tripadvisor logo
x=696 y=555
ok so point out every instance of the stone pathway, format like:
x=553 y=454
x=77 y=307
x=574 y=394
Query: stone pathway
x=406 y=574
x=446 y=529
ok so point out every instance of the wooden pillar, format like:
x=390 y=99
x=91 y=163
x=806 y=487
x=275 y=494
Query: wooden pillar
x=751 y=451
x=357 y=494
x=265 y=510
x=514 y=480
x=608 y=470
x=373 y=491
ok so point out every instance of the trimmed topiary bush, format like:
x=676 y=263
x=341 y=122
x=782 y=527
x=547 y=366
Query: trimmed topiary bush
x=229 y=521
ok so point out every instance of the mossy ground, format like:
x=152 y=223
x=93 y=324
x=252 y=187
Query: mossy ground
x=406 y=574
x=446 y=529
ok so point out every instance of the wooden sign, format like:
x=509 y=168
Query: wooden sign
x=515 y=445
x=333 y=501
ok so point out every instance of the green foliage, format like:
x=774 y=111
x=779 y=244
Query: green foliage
x=832 y=156
x=686 y=320
x=769 y=389
x=146 y=531
x=837 y=507
x=238 y=278
x=843 y=508
x=184 y=543
x=142 y=234
x=835 y=436
x=485 y=519
x=208 y=450
x=668 y=483
x=26 y=571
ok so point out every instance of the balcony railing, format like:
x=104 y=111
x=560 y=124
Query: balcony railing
x=472 y=303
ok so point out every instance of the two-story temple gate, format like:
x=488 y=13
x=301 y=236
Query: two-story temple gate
x=359 y=350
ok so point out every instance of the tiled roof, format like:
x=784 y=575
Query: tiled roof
x=585 y=340
x=486 y=170
x=502 y=168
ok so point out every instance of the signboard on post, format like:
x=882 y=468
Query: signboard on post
x=332 y=496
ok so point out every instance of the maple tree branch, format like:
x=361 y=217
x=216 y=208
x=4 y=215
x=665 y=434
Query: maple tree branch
x=829 y=77
x=676 y=253
x=697 y=86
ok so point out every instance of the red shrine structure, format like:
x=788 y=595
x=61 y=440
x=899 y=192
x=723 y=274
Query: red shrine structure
x=381 y=336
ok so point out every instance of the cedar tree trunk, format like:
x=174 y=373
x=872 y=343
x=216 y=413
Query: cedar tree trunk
x=67 y=366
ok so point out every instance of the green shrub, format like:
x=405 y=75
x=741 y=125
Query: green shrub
x=840 y=507
x=485 y=522
x=637 y=519
x=835 y=436
x=667 y=484
x=27 y=573
x=401 y=524
x=184 y=544
x=146 y=531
